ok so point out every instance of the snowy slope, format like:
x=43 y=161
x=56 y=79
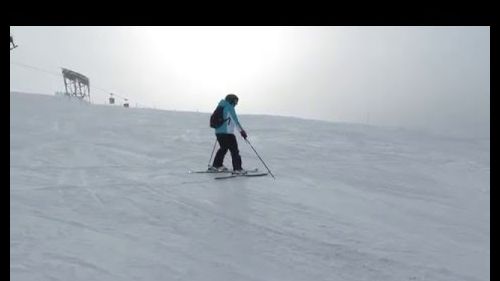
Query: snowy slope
x=103 y=193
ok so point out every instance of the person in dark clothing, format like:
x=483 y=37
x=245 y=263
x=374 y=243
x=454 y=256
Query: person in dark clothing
x=12 y=44
x=226 y=138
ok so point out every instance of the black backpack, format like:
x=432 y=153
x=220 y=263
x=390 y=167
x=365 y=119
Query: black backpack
x=217 y=118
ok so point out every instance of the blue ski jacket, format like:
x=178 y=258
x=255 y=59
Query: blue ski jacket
x=231 y=118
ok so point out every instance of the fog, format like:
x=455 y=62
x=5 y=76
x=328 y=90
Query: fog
x=432 y=78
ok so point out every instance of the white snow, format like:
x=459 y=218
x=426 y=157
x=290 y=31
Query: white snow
x=103 y=193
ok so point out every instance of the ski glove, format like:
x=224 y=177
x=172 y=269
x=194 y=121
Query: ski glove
x=244 y=134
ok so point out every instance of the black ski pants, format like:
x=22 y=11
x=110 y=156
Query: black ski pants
x=227 y=142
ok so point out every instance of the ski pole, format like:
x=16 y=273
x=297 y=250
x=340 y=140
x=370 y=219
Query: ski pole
x=212 y=155
x=260 y=158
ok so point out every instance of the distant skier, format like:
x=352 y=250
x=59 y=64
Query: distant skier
x=13 y=45
x=224 y=131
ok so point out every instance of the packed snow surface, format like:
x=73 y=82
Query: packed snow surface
x=103 y=193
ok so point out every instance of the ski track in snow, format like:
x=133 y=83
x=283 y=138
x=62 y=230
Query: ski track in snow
x=104 y=193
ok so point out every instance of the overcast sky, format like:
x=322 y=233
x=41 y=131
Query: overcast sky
x=423 y=77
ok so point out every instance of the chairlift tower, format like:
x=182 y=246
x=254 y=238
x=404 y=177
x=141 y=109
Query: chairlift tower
x=76 y=84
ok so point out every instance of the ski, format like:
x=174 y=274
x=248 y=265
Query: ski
x=248 y=174
x=208 y=172
x=218 y=172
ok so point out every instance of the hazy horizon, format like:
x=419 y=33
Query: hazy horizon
x=436 y=78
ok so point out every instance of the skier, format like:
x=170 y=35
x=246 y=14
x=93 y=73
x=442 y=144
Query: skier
x=226 y=138
x=13 y=45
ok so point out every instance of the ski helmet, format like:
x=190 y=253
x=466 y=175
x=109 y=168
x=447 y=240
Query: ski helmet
x=232 y=99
